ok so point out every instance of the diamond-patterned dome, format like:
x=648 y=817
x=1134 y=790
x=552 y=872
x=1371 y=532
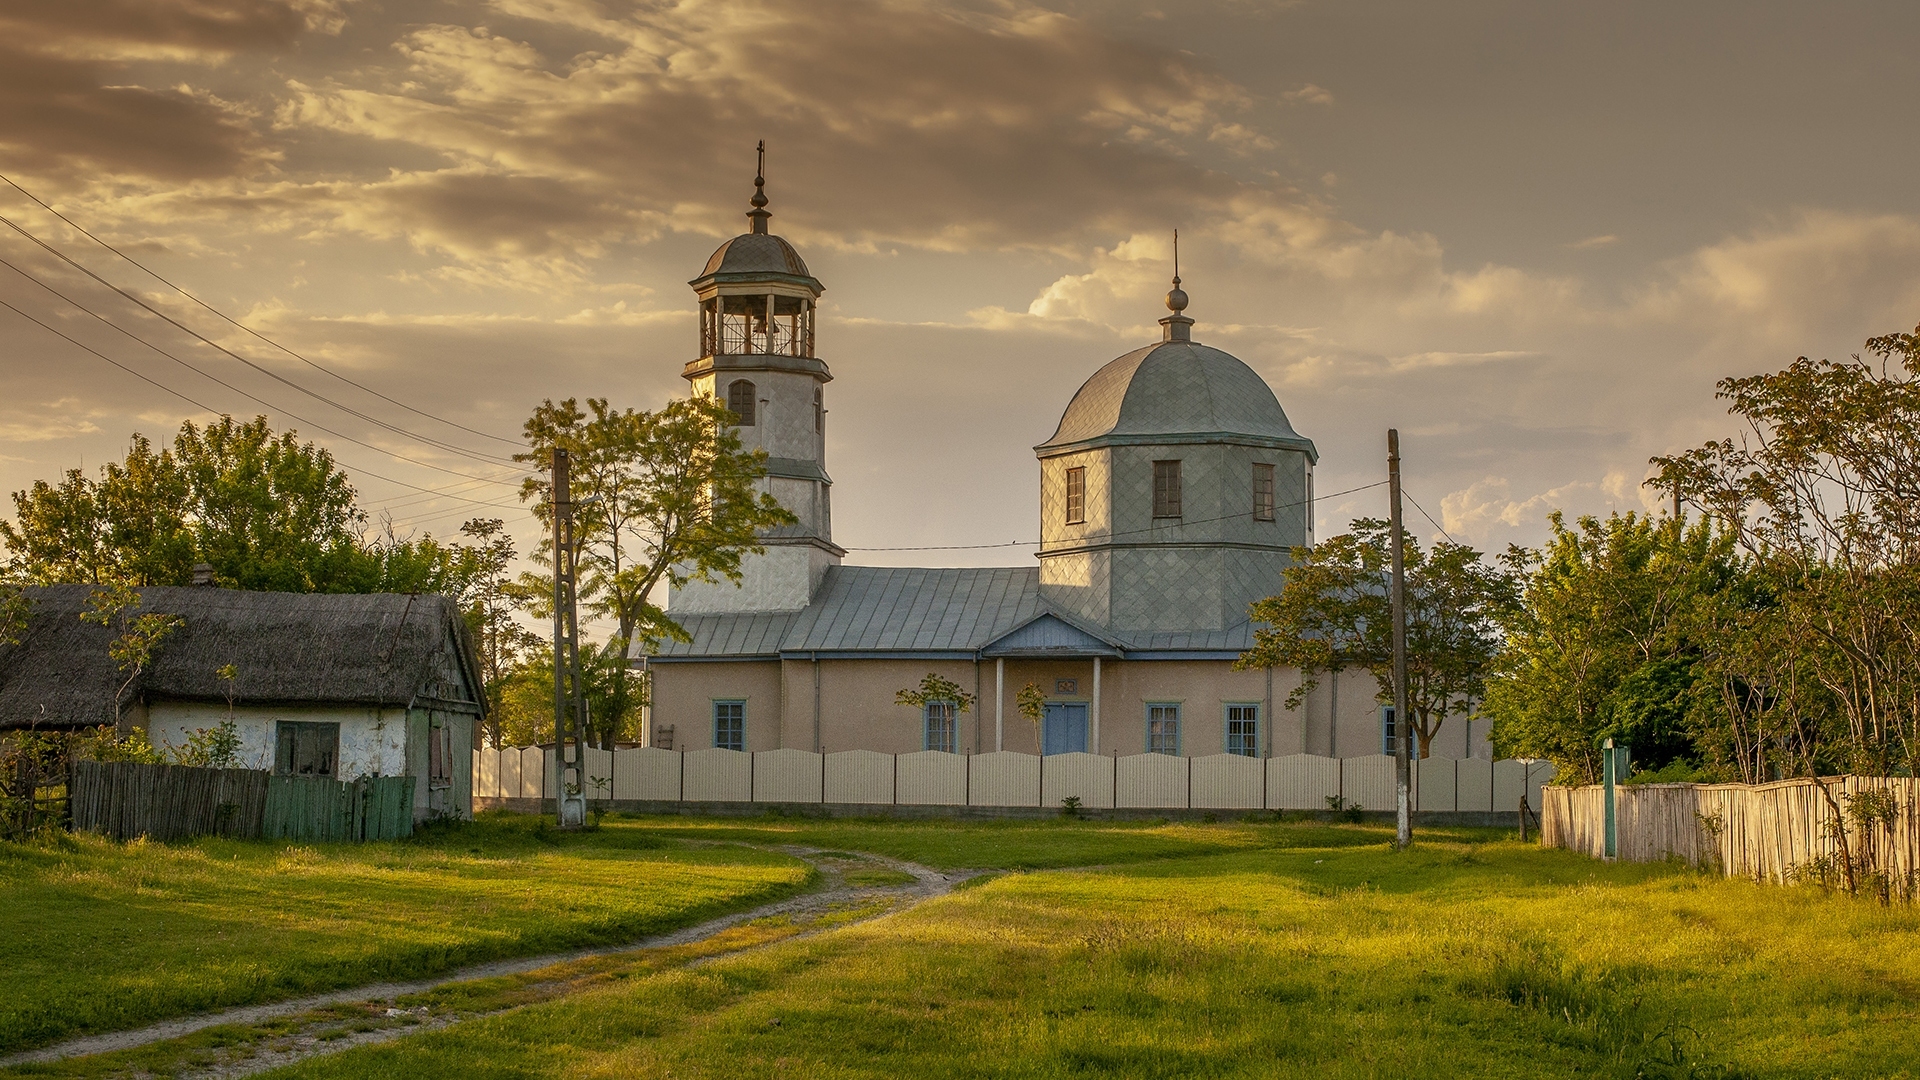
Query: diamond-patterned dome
x=756 y=253
x=1171 y=390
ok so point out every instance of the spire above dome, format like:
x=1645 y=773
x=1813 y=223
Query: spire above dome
x=759 y=213
x=1177 y=327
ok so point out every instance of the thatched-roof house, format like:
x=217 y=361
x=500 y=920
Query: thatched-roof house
x=346 y=686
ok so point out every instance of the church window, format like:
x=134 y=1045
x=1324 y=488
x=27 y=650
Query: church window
x=740 y=401
x=1166 y=489
x=1163 y=729
x=1387 y=730
x=730 y=725
x=1262 y=492
x=943 y=726
x=1076 y=495
x=819 y=412
x=1243 y=730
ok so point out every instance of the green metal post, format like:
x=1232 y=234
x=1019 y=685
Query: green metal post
x=1607 y=778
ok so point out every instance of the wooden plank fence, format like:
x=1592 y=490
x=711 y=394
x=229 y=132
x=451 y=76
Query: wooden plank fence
x=1779 y=832
x=173 y=802
x=125 y=799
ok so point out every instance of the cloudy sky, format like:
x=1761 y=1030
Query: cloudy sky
x=1529 y=235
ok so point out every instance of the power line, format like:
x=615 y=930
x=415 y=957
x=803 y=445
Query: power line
x=310 y=363
x=210 y=343
x=208 y=408
x=1129 y=532
x=1424 y=514
x=262 y=402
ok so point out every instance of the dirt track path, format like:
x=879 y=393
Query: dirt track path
x=341 y=1019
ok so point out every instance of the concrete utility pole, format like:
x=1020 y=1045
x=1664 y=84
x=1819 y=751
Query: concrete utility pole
x=1402 y=723
x=569 y=700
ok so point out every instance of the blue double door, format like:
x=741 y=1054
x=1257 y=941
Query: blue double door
x=1063 y=729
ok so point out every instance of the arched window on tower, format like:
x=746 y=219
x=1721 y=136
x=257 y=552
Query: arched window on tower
x=740 y=400
x=819 y=413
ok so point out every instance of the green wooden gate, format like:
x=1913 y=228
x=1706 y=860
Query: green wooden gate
x=315 y=808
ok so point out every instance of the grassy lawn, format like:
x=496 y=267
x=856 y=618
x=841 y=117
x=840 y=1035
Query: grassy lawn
x=1002 y=845
x=98 y=936
x=1245 y=950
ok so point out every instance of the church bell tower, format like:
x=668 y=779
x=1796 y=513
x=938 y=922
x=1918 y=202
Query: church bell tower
x=757 y=313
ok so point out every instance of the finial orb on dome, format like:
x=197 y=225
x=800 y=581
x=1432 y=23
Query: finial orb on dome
x=1177 y=299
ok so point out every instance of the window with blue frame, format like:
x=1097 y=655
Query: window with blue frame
x=1387 y=731
x=730 y=725
x=1163 y=729
x=942 y=725
x=1243 y=730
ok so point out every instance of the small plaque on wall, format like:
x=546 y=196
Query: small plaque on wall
x=1066 y=686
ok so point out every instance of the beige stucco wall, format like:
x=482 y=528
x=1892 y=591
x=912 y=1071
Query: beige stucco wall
x=683 y=696
x=857 y=710
x=373 y=742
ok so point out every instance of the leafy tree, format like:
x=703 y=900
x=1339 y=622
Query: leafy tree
x=659 y=498
x=1032 y=702
x=490 y=608
x=265 y=510
x=935 y=687
x=1605 y=641
x=133 y=652
x=524 y=713
x=1819 y=493
x=1335 y=612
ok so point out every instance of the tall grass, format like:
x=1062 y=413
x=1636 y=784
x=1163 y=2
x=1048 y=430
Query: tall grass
x=99 y=936
x=1300 y=955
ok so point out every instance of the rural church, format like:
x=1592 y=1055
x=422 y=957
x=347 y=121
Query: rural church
x=1170 y=494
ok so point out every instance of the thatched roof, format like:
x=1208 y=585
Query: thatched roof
x=289 y=648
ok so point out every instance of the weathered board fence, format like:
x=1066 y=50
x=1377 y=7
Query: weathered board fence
x=1775 y=832
x=125 y=799
x=1005 y=778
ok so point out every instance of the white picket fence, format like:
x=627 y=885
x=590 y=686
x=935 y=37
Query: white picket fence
x=933 y=778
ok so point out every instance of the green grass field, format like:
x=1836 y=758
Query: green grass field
x=98 y=936
x=1252 y=950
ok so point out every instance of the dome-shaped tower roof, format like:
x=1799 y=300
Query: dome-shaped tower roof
x=757 y=255
x=1176 y=391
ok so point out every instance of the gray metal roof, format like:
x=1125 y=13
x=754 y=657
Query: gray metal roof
x=915 y=609
x=752 y=634
x=1175 y=391
x=955 y=610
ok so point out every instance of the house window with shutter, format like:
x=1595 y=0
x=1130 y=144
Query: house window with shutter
x=740 y=402
x=1262 y=492
x=439 y=754
x=1076 y=495
x=1166 y=489
x=306 y=749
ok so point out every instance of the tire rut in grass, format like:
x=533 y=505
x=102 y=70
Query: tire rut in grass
x=254 y=1039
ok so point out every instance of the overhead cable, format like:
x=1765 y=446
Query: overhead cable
x=1130 y=532
x=275 y=376
x=262 y=402
x=208 y=408
x=310 y=363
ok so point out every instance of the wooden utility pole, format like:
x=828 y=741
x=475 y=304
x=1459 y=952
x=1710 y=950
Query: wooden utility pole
x=569 y=700
x=1402 y=723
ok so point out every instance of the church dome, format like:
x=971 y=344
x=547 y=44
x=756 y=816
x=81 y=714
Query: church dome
x=756 y=253
x=1176 y=391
